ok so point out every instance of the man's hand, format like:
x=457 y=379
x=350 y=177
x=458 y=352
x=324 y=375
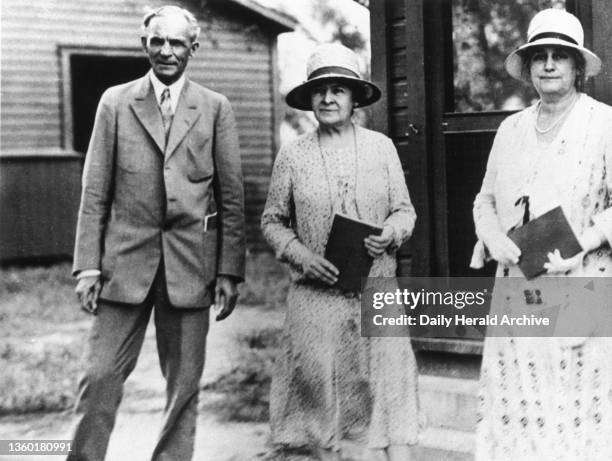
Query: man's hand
x=226 y=295
x=377 y=244
x=502 y=249
x=88 y=291
x=318 y=268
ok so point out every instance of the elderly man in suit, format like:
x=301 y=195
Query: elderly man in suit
x=161 y=226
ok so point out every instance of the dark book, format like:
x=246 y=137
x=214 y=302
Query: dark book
x=345 y=250
x=541 y=236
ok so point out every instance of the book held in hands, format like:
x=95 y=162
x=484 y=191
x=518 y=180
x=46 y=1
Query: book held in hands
x=345 y=250
x=540 y=236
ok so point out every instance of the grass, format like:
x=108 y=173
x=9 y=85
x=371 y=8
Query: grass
x=35 y=301
x=37 y=378
x=39 y=347
x=267 y=282
x=42 y=331
x=246 y=388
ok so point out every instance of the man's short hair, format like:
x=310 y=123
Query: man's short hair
x=169 y=10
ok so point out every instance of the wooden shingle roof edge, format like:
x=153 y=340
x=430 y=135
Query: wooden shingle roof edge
x=284 y=21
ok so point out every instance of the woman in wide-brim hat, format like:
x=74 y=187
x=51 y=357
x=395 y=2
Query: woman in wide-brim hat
x=345 y=69
x=331 y=384
x=548 y=398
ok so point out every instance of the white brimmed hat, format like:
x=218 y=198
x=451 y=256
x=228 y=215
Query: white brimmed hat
x=338 y=63
x=554 y=27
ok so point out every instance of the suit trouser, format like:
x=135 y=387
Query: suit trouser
x=112 y=351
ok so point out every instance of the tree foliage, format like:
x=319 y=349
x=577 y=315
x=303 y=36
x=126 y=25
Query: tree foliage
x=337 y=29
x=485 y=32
x=342 y=30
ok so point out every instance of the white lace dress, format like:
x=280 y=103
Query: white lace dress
x=546 y=398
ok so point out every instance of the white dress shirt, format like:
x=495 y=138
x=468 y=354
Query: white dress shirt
x=175 y=90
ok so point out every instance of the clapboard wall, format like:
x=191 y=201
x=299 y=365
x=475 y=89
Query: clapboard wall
x=237 y=57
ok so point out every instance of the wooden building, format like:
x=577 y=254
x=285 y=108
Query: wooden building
x=434 y=60
x=57 y=59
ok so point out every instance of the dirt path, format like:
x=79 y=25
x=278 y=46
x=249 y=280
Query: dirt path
x=139 y=416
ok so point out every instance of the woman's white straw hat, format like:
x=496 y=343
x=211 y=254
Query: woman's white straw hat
x=338 y=63
x=553 y=27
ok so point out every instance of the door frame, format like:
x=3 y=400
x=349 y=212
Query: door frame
x=65 y=52
x=399 y=70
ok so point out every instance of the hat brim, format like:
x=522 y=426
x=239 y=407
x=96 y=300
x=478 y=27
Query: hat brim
x=368 y=93
x=514 y=62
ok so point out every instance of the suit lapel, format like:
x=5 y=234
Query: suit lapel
x=147 y=111
x=185 y=116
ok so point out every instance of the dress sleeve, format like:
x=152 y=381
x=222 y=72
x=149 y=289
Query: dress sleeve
x=401 y=212
x=603 y=221
x=277 y=221
x=486 y=220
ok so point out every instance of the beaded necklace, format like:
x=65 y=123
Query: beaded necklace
x=326 y=167
x=556 y=122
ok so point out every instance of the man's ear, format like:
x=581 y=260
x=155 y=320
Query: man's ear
x=143 y=43
x=193 y=48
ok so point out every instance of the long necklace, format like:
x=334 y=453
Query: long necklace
x=556 y=122
x=327 y=172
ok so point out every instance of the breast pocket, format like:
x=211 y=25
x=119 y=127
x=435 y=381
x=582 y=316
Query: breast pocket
x=200 y=165
x=130 y=153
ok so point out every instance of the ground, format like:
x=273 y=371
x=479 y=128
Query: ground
x=140 y=413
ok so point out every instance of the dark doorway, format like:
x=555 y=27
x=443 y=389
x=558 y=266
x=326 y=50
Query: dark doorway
x=90 y=76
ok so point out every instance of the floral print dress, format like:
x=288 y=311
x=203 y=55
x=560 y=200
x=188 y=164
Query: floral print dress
x=330 y=384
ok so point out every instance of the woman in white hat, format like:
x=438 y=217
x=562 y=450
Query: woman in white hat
x=331 y=384
x=548 y=398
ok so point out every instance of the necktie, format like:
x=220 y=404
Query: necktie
x=166 y=111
